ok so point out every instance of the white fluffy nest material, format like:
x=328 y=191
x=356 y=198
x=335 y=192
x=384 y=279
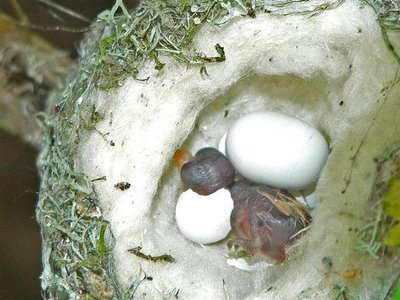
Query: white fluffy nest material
x=331 y=70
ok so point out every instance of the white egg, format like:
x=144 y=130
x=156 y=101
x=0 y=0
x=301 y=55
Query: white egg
x=204 y=219
x=221 y=144
x=276 y=149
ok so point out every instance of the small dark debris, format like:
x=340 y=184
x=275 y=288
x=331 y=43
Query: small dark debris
x=143 y=79
x=341 y=103
x=327 y=262
x=111 y=119
x=166 y=257
x=95 y=116
x=226 y=113
x=350 y=66
x=221 y=52
x=122 y=185
x=99 y=178
x=56 y=109
x=149 y=278
x=270 y=59
x=250 y=10
x=86 y=207
x=353 y=273
x=359 y=30
x=112 y=143
x=270 y=288
x=177 y=294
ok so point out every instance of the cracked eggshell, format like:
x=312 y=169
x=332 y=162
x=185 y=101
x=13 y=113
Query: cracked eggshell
x=311 y=200
x=276 y=149
x=204 y=219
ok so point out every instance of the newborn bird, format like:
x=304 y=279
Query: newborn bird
x=205 y=173
x=266 y=219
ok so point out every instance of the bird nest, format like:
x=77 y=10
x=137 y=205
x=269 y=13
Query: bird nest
x=78 y=242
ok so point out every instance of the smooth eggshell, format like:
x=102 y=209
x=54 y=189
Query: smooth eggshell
x=276 y=149
x=204 y=219
x=221 y=144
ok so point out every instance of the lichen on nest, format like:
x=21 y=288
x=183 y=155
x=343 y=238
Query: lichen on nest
x=76 y=258
x=159 y=28
x=72 y=230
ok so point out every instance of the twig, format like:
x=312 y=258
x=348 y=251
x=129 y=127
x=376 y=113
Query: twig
x=65 y=10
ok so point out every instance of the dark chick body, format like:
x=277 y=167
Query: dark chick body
x=266 y=220
x=208 y=172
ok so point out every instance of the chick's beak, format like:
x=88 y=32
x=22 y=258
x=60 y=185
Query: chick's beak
x=181 y=157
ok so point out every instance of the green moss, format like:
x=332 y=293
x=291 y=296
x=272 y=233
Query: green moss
x=154 y=29
x=161 y=258
x=392 y=238
x=388 y=16
x=381 y=230
x=75 y=254
x=369 y=237
x=388 y=286
x=391 y=206
x=343 y=293
x=396 y=295
x=159 y=28
x=391 y=199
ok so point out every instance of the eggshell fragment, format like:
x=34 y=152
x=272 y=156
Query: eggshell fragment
x=276 y=149
x=204 y=219
x=310 y=199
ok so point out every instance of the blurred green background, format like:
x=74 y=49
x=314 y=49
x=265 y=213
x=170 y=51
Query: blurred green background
x=20 y=244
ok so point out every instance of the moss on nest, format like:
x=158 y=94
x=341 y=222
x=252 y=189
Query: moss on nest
x=159 y=28
x=388 y=17
x=77 y=261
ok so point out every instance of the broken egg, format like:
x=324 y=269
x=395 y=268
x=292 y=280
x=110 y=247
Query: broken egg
x=204 y=219
x=276 y=149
